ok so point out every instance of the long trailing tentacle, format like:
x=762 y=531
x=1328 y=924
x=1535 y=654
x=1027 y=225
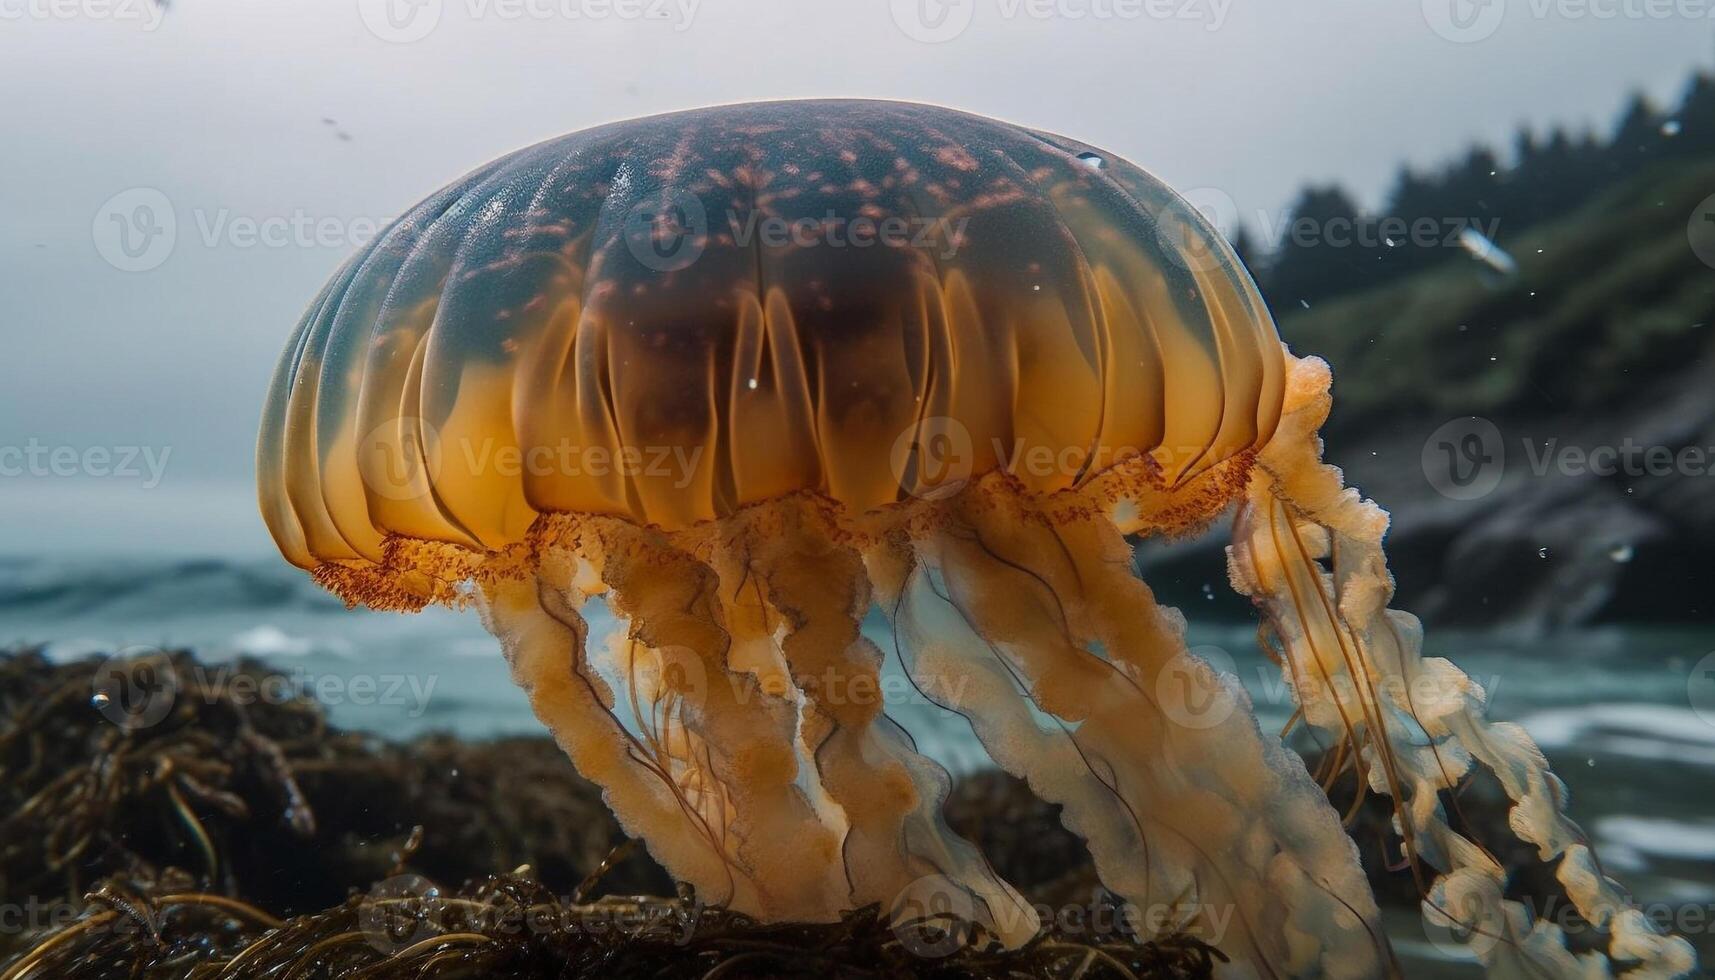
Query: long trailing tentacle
x=708 y=777
x=545 y=637
x=1308 y=551
x=809 y=592
x=1038 y=632
x=746 y=742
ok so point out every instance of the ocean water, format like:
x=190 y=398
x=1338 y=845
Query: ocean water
x=1627 y=716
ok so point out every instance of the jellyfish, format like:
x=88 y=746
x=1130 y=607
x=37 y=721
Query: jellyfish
x=736 y=379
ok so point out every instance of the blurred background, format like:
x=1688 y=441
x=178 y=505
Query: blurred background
x=1495 y=218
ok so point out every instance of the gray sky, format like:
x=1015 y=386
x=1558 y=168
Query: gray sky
x=220 y=108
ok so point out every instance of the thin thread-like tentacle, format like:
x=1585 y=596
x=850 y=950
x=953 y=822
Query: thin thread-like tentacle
x=1416 y=723
x=1057 y=653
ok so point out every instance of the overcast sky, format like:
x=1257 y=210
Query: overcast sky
x=222 y=108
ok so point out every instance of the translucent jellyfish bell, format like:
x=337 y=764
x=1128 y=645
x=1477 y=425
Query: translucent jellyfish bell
x=743 y=374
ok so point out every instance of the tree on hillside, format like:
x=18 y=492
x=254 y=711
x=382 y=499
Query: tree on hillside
x=1320 y=253
x=1248 y=252
x=1695 y=117
x=1546 y=178
x=1637 y=139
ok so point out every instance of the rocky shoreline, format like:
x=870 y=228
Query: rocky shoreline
x=1545 y=441
x=227 y=830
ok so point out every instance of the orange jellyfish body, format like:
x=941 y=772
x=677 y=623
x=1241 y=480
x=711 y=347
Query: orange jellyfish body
x=743 y=374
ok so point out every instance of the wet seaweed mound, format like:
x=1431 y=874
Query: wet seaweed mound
x=237 y=834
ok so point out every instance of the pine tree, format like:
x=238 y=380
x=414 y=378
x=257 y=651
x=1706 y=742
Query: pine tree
x=1320 y=254
x=1637 y=138
x=1547 y=178
x=1696 y=118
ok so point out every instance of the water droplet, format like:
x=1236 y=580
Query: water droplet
x=1670 y=128
x=752 y=384
x=1542 y=552
x=1304 y=303
x=100 y=700
x=1622 y=553
x=1094 y=161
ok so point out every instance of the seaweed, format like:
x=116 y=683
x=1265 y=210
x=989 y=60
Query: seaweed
x=245 y=837
x=509 y=925
x=261 y=797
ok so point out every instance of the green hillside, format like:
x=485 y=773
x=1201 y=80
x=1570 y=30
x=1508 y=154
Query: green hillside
x=1604 y=300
